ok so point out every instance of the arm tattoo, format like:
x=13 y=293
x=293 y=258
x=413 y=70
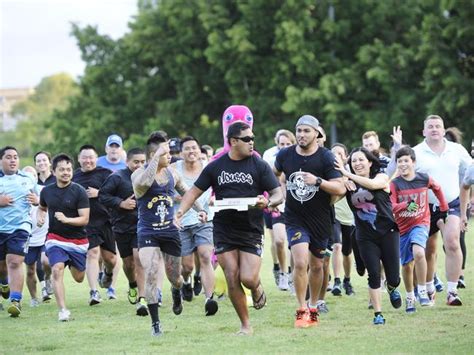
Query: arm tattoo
x=144 y=179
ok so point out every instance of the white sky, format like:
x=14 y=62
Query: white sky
x=35 y=36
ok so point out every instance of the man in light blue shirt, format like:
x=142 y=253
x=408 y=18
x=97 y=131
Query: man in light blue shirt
x=114 y=158
x=18 y=191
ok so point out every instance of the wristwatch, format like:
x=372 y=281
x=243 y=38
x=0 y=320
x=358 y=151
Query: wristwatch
x=319 y=181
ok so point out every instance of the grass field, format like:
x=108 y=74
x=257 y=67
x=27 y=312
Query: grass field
x=113 y=327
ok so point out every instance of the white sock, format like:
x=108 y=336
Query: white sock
x=430 y=286
x=311 y=306
x=422 y=289
x=187 y=281
x=43 y=284
x=411 y=295
x=453 y=286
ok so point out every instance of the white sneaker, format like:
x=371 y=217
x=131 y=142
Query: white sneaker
x=283 y=281
x=64 y=315
x=34 y=302
x=49 y=287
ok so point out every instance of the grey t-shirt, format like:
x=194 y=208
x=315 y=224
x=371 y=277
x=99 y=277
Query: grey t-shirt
x=469 y=176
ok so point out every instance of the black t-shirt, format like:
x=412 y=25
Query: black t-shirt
x=372 y=211
x=229 y=178
x=50 y=180
x=95 y=178
x=306 y=205
x=67 y=200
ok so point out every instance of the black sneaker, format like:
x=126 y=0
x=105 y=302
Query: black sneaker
x=187 y=292
x=395 y=298
x=211 y=307
x=177 y=301
x=336 y=289
x=156 y=329
x=461 y=282
x=348 y=288
x=106 y=280
x=197 y=288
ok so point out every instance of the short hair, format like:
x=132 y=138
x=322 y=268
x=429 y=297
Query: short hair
x=155 y=139
x=48 y=155
x=87 y=147
x=4 y=150
x=433 y=117
x=134 y=151
x=62 y=157
x=369 y=134
x=286 y=133
x=188 y=139
x=207 y=147
x=374 y=169
x=453 y=134
x=340 y=145
x=235 y=128
x=203 y=150
x=406 y=150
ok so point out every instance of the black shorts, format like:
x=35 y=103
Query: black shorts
x=101 y=236
x=126 y=242
x=454 y=209
x=267 y=218
x=169 y=244
x=227 y=238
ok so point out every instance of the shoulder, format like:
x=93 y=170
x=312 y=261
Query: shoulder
x=103 y=171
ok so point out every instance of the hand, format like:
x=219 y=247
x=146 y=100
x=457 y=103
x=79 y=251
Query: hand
x=350 y=185
x=178 y=216
x=40 y=219
x=340 y=166
x=92 y=193
x=308 y=178
x=262 y=202
x=464 y=224
x=5 y=200
x=60 y=217
x=32 y=198
x=412 y=206
x=397 y=136
x=163 y=149
x=129 y=203
x=202 y=216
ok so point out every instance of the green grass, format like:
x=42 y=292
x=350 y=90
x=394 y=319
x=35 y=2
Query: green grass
x=112 y=327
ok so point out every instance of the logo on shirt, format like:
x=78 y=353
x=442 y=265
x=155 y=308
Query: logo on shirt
x=299 y=189
x=161 y=205
x=366 y=209
x=239 y=178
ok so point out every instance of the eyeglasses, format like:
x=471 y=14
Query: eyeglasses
x=246 y=139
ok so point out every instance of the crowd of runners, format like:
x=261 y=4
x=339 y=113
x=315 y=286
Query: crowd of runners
x=166 y=209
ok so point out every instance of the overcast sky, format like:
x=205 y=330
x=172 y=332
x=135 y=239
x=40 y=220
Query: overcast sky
x=35 y=36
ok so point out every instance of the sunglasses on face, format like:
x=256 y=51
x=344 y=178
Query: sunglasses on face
x=246 y=139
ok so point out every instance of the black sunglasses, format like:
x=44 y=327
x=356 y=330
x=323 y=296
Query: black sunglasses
x=246 y=139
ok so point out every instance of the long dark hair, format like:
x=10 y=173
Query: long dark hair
x=374 y=169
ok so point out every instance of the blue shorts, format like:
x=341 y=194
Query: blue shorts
x=169 y=244
x=14 y=243
x=454 y=209
x=73 y=259
x=34 y=255
x=194 y=236
x=417 y=235
x=297 y=235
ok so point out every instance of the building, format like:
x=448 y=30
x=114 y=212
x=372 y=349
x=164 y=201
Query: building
x=8 y=98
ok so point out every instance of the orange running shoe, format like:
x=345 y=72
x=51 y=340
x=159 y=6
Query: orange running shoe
x=313 y=319
x=302 y=317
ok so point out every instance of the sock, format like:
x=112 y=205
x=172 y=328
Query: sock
x=43 y=284
x=197 y=275
x=276 y=267
x=320 y=302
x=311 y=306
x=453 y=286
x=153 y=309
x=337 y=280
x=187 y=281
x=15 y=296
x=422 y=289
x=411 y=295
x=347 y=279
x=377 y=314
x=132 y=284
x=430 y=286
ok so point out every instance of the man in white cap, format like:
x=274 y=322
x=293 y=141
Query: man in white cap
x=114 y=158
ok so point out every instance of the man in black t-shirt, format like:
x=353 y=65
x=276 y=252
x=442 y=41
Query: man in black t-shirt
x=238 y=235
x=311 y=182
x=66 y=243
x=99 y=230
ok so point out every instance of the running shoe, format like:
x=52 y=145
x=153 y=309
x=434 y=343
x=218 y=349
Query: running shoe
x=336 y=289
x=461 y=282
x=156 y=329
x=94 y=297
x=379 y=320
x=187 y=292
x=276 y=276
x=438 y=284
x=313 y=319
x=329 y=288
x=323 y=307
x=106 y=279
x=197 y=285
x=5 y=291
x=49 y=287
x=132 y=295
x=45 y=295
x=395 y=298
x=14 y=309
x=410 y=305
x=291 y=287
x=347 y=286
x=302 y=315
x=211 y=306
x=64 y=315
x=283 y=281
x=453 y=299
x=177 y=300
x=111 y=294
x=425 y=301
x=142 y=309
x=34 y=302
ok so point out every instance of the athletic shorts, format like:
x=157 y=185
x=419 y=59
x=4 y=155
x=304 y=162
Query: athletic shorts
x=227 y=238
x=194 y=236
x=454 y=210
x=101 y=236
x=416 y=235
x=34 y=255
x=169 y=244
x=70 y=258
x=126 y=242
x=14 y=243
x=267 y=217
x=297 y=235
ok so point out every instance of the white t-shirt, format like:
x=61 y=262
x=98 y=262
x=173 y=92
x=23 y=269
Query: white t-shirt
x=444 y=169
x=38 y=234
x=270 y=155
